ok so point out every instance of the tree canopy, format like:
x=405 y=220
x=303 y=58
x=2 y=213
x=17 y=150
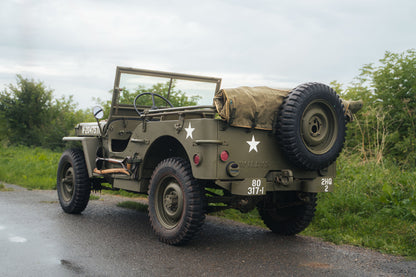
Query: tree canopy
x=30 y=116
x=177 y=97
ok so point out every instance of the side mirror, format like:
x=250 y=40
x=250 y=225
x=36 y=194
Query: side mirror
x=98 y=112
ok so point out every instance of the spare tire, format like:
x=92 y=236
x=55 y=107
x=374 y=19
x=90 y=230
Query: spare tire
x=311 y=126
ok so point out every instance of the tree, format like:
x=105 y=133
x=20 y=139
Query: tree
x=388 y=90
x=30 y=116
x=177 y=97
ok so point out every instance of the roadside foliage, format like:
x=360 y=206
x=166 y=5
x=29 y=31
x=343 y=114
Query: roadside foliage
x=30 y=116
x=386 y=126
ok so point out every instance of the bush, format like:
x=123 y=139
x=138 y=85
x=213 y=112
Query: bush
x=387 y=124
x=30 y=116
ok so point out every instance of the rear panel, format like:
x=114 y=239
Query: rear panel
x=254 y=158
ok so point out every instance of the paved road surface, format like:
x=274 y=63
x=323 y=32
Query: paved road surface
x=38 y=239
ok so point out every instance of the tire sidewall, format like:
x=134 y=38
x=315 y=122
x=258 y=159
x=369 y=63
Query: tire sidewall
x=303 y=96
x=158 y=178
x=81 y=190
x=63 y=162
x=171 y=229
x=332 y=101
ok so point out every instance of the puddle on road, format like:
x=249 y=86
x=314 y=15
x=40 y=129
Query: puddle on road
x=12 y=237
x=72 y=267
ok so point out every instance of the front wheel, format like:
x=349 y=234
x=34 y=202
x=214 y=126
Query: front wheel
x=73 y=184
x=175 y=202
x=287 y=212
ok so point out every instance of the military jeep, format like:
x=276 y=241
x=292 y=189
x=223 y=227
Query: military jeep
x=251 y=147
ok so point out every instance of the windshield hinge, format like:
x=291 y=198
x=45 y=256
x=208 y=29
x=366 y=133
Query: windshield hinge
x=179 y=125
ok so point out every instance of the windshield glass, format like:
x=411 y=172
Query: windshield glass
x=180 y=89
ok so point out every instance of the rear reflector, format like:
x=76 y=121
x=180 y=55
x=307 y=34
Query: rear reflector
x=197 y=159
x=224 y=156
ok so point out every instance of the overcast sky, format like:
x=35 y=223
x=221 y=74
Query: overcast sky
x=75 y=46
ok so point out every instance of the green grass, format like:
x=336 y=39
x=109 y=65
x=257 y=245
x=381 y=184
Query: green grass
x=251 y=218
x=133 y=206
x=122 y=192
x=33 y=168
x=94 y=197
x=3 y=188
x=373 y=205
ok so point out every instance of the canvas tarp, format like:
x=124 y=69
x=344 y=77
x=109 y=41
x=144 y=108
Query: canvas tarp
x=250 y=107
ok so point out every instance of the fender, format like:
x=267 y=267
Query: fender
x=89 y=147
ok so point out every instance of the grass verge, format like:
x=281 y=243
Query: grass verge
x=3 y=188
x=133 y=206
x=374 y=205
x=32 y=168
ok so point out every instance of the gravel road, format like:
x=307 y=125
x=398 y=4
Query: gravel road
x=38 y=239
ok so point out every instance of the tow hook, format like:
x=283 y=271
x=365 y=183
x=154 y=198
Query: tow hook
x=284 y=177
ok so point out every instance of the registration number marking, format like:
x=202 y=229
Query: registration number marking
x=90 y=130
x=256 y=188
x=326 y=182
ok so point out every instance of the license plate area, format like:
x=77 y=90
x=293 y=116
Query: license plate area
x=250 y=186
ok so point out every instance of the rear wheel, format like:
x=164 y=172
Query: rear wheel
x=73 y=184
x=175 y=202
x=287 y=213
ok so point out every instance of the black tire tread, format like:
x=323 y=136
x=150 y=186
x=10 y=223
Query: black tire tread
x=82 y=188
x=193 y=192
x=286 y=127
x=293 y=225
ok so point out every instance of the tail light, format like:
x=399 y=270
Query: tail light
x=197 y=159
x=224 y=156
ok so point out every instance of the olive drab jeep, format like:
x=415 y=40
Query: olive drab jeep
x=250 y=147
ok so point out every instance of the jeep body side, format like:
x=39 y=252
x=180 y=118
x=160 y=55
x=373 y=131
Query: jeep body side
x=191 y=162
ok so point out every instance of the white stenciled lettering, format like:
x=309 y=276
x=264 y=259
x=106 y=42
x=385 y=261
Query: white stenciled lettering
x=90 y=130
x=256 y=187
x=326 y=182
x=256 y=183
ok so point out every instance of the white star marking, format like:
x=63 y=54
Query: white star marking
x=189 y=131
x=253 y=144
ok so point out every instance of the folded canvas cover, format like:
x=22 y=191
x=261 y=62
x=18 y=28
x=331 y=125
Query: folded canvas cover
x=250 y=107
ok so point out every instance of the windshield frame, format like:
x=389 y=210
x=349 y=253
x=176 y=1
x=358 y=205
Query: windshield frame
x=153 y=73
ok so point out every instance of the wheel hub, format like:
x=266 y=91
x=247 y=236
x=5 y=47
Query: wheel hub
x=318 y=127
x=170 y=202
x=68 y=184
x=171 y=206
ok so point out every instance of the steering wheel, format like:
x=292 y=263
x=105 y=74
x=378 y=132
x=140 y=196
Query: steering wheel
x=154 y=107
